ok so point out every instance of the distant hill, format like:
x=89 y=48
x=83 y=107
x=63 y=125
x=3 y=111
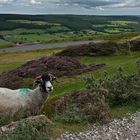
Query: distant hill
x=18 y=29
x=73 y=22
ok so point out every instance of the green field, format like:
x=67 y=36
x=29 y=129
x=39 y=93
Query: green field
x=5 y=44
x=60 y=28
x=69 y=84
x=123 y=23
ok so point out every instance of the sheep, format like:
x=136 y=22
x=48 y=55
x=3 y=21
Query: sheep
x=26 y=100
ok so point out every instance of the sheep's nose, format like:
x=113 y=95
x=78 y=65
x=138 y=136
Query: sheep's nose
x=50 y=88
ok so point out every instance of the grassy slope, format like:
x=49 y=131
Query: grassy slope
x=5 y=44
x=69 y=84
x=66 y=85
x=12 y=60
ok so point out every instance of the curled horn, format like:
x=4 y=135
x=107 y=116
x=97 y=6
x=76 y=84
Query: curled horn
x=51 y=74
x=38 y=77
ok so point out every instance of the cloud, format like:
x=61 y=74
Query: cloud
x=35 y=2
x=89 y=3
x=6 y=1
x=102 y=3
x=81 y=3
x=129 y=3
x=70 y=6
x=100 y=8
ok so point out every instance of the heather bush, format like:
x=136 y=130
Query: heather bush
x=6 y=119
x=126 y=47
x=61 y=66
x=138 y=65
x=10 y=79
x=101 y=49
x=91 y=49
x=135 y=44
x=25 y=131
x=71 y=115
x=122 y=88
x=85 y=106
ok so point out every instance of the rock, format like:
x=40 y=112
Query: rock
x=13 y=125
x=125 y=129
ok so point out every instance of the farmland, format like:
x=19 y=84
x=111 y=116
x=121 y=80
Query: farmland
x=84 y=92
x=60 y=28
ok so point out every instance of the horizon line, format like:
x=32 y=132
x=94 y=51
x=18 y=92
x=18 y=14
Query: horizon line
x=42 y=14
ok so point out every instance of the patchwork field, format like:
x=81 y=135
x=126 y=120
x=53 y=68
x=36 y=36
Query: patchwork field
x=60 y=28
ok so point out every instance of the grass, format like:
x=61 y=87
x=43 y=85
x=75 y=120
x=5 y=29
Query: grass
x=117 y=30
x=5 y=44
x=38 y=35
x=45 y=38
x=14 y=60
x=34 y=22
x=67 y=85
x=122 y=111
x=22 y=31
x=112 y=62
x=123 y=23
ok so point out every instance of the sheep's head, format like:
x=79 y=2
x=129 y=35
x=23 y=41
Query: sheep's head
x=45 y=82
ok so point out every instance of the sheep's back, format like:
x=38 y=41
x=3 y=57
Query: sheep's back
x=11 y=100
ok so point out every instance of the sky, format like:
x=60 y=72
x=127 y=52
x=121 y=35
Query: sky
x=78 y=7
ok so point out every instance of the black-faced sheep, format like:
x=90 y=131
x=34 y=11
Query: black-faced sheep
x=26 y=100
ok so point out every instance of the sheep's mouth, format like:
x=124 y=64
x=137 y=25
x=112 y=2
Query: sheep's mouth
x=49 y=89
x=46 y=87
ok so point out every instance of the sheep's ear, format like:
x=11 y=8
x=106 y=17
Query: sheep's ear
x=37 y=81
x=53 y=78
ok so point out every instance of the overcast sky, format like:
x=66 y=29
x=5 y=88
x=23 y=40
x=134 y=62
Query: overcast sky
x=90 y=7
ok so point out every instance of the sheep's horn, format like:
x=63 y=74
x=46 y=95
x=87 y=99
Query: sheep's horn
x=51 y=74
x=38 y=77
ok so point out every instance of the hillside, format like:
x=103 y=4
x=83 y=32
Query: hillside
x=82 y=94
x=97 y=84
x=60 y=28
x=70 y=22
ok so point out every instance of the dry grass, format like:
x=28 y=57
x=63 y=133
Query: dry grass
x=12 y=60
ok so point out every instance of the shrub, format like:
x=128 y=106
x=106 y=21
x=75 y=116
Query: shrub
x=5 y=119
x=71 y=116
x=10 y=79
x=91 y=49
x=135 y=44
x=61 y=66
x=122 y=88
x=85 y=106
x=25 y=131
